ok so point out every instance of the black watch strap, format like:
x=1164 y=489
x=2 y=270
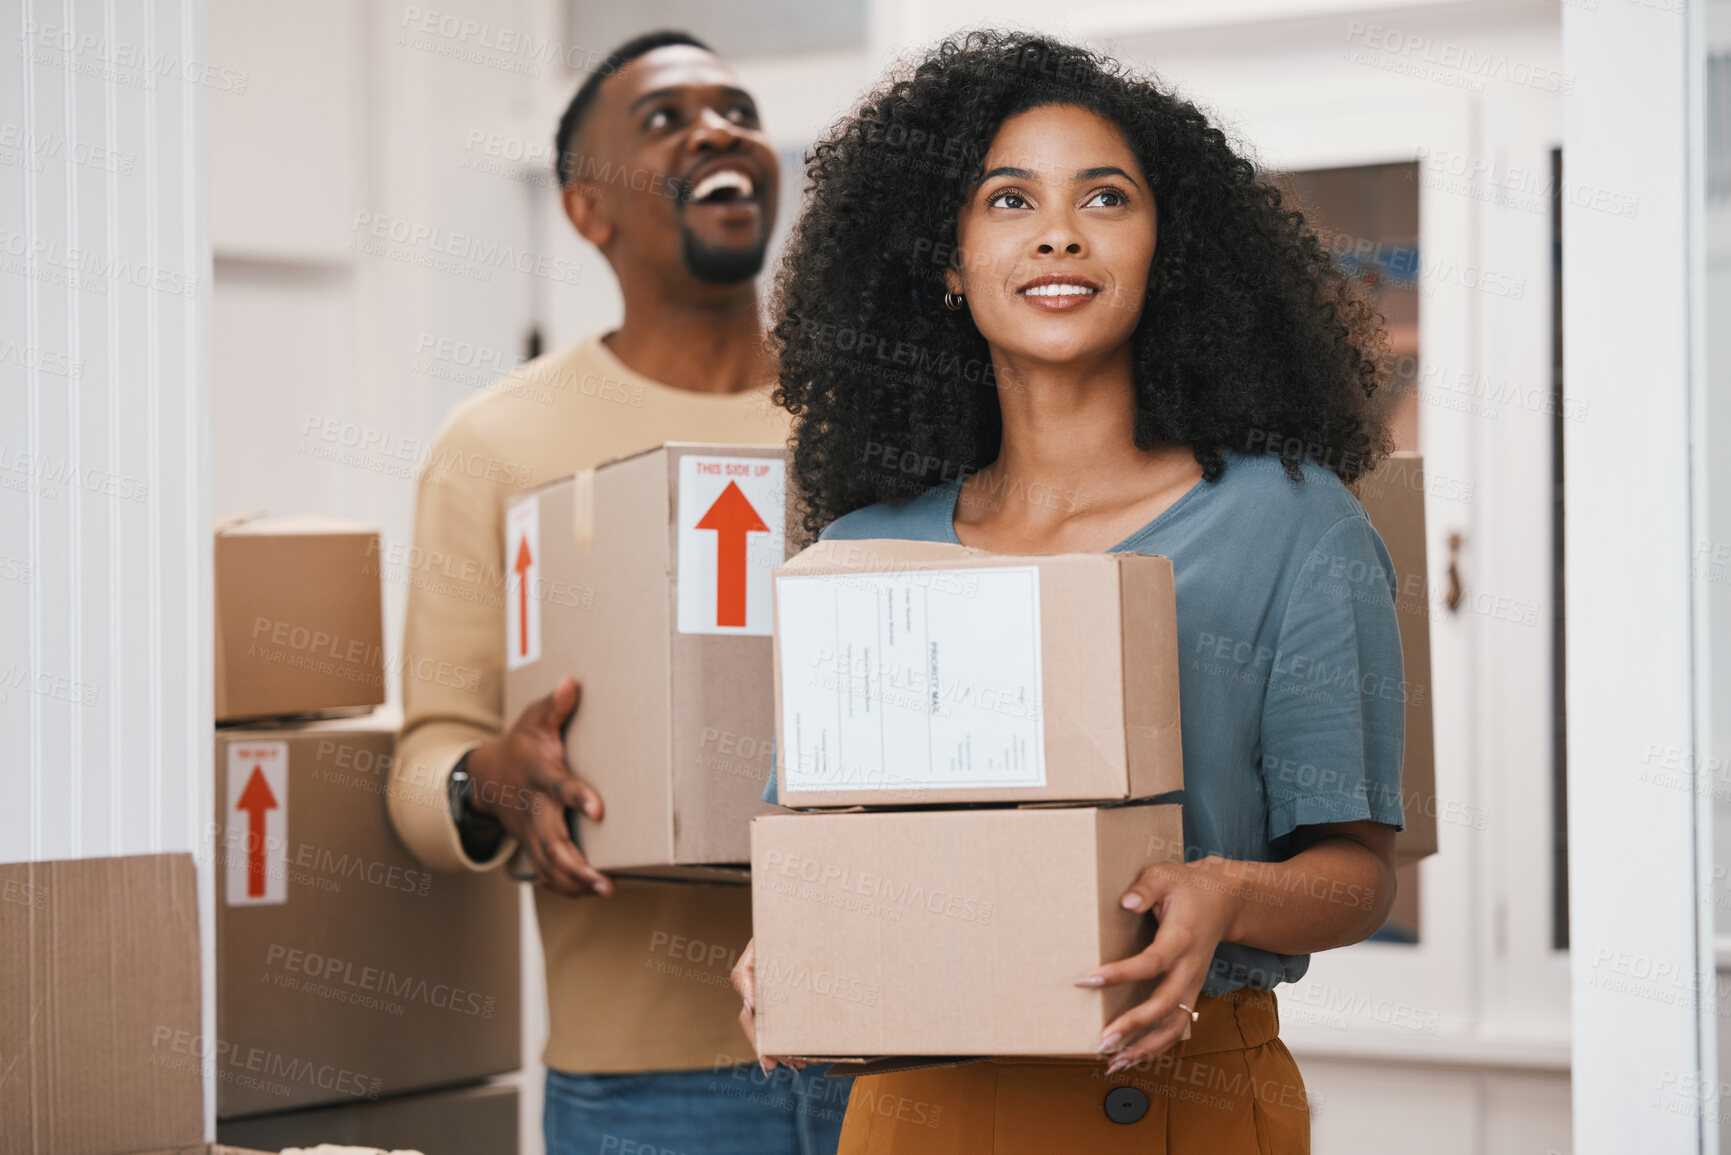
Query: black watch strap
x=479 y=833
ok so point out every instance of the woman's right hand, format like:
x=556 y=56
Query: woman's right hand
x=744 y=978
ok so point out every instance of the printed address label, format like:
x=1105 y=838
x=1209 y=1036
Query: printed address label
x=920 y=679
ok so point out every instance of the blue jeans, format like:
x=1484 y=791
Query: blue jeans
x=724 y=1111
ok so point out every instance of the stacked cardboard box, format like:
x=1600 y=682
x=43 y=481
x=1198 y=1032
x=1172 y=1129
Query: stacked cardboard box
x=334 y=945
x=346 y=972
x=298 y=624
x=99 y=989
x=989 y=747
x=115 y=1057
x=1023 y=714
x=648 y=580
x=1393 y=497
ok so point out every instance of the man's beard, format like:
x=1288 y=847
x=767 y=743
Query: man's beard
x=718 y=265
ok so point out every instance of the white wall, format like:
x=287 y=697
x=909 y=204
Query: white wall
x=1711 y=561
x=105 y=637
x=106 y=279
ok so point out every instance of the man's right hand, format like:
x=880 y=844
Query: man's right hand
x=521 y=778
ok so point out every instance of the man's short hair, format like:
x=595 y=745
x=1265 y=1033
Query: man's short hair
x=580 y=104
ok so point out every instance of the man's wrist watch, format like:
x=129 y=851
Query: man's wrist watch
x=469 y=820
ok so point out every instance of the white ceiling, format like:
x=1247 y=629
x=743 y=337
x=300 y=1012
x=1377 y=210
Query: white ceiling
x=738 y=29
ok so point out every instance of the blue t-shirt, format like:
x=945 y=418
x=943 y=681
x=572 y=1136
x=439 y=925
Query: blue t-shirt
x=1291 y=690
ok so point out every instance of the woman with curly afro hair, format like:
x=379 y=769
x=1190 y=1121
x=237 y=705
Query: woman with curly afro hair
x=1036 y=304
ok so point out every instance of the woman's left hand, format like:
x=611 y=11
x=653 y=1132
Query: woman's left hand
x=1193 y=912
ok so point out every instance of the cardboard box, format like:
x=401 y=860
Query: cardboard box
x=299 y=629
x=345 y=969
x=100 y=1007
x=648 y=579
x=948 y=932
x=1393 y=496
x=465 y=1121
x=925 y=672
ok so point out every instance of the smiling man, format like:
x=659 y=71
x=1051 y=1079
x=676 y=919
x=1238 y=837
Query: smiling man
x=665 y=169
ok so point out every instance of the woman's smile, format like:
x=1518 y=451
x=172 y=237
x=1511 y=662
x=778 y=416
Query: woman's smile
x=1058 y=292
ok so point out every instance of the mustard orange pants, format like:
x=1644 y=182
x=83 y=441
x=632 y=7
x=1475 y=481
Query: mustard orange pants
x=1231 y=1088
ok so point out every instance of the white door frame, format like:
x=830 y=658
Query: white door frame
x=1631 y=303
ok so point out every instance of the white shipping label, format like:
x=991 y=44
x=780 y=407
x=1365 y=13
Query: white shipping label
x=732 y=533
x=924 y=679
x=255 y=843
x=523 y=583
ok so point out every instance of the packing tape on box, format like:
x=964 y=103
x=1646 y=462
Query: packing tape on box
x=583 y=509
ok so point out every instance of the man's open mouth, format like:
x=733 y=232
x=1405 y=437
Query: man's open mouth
x=723 y=186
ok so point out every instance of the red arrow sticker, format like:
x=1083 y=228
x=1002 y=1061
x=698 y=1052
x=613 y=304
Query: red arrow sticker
x=732 y=517
x=523 y=565
x=520 y=567
x=256 y=801
x=256 y=835
x=732 y=533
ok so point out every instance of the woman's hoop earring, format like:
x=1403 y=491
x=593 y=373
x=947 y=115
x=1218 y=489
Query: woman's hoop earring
x=952 y=301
